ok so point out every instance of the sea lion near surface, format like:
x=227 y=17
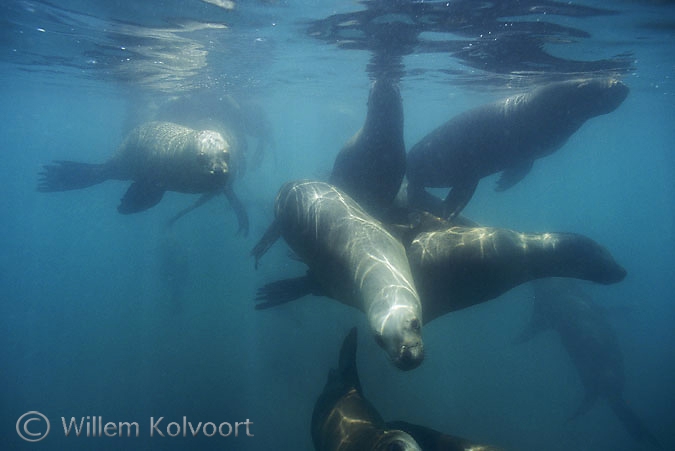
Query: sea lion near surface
x=455 y=267
x=353 y=259
x=156 y=157
x=507 y=136
x=371 y=166
x=344 y=420
x=592 y=344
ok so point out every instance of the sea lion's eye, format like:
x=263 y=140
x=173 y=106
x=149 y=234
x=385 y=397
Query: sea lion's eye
x=415 y=324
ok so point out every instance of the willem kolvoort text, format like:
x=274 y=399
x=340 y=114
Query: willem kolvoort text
x=93 y=426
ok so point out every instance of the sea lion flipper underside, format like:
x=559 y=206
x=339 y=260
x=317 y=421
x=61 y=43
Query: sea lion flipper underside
x=139 y=197
x=239 y=210
x=514 y=174
x=204 y=198
x=285 y=290
x=458 y=197
x=271 y=235
x=70 y=175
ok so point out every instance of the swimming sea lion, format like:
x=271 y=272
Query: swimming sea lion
x=458 y=267
x=344 y=420
x=371 y=166
x=157 y=157
x=353 y=259
x=507 y=136
x=592 y=345
x=455 y=267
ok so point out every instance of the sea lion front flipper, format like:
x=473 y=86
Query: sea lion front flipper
x=204 y=198
x=514 y=174
x=239 y=210
x=458 y=197
x=139 y=197
x=286 y=290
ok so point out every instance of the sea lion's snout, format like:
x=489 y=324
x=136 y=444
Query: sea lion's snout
x=410 y=357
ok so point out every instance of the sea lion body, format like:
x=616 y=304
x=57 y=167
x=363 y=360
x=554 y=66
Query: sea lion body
x=592 y=345
x=344 y=420
x=356 y=261
x=507 y=135
x=157 y=157
x=371 y=166
x=457 y=267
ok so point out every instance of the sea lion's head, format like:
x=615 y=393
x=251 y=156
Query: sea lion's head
x=595 y=96
x=400 y=335
x=213 y=157
x=395 y=440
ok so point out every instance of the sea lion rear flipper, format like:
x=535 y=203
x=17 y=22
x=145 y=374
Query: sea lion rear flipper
x=270 y=237
x=458 y=197
x=239 y=210
x=286 y=290
x=347 y=361
x=513 y=175
x=139 y=197
x=69 y=175
x=204 y=198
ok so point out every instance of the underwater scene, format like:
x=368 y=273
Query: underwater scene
x=337 y=225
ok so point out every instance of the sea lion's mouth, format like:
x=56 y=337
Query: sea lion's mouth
x=409 y=357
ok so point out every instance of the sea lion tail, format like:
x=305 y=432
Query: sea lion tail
x=69 y=175
x=633 y=424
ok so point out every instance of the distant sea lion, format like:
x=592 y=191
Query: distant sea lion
x=353 y=259
x=457 y=267
x=592 y=345
x=157 y=157
x=371 y=166
x=344 y=420
x=507 y=136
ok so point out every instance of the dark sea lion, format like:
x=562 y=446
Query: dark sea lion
x=507 y=136
x=592 y=345
x=432 y=440
x=344 y=420
x=371 y=166
x=455 y=267
x=353 y=259
x=458 y=267
x=157 y=157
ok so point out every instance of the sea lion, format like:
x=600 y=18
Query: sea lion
x=371 y=166
x=507 y=136
x=432 y=440
x=344 y=420
x=458 y=267
x=353 y=259
x=592 y=345
x=455 y=267
x=157 y=157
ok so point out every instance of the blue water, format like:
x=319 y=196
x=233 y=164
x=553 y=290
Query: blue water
x=91 y=325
